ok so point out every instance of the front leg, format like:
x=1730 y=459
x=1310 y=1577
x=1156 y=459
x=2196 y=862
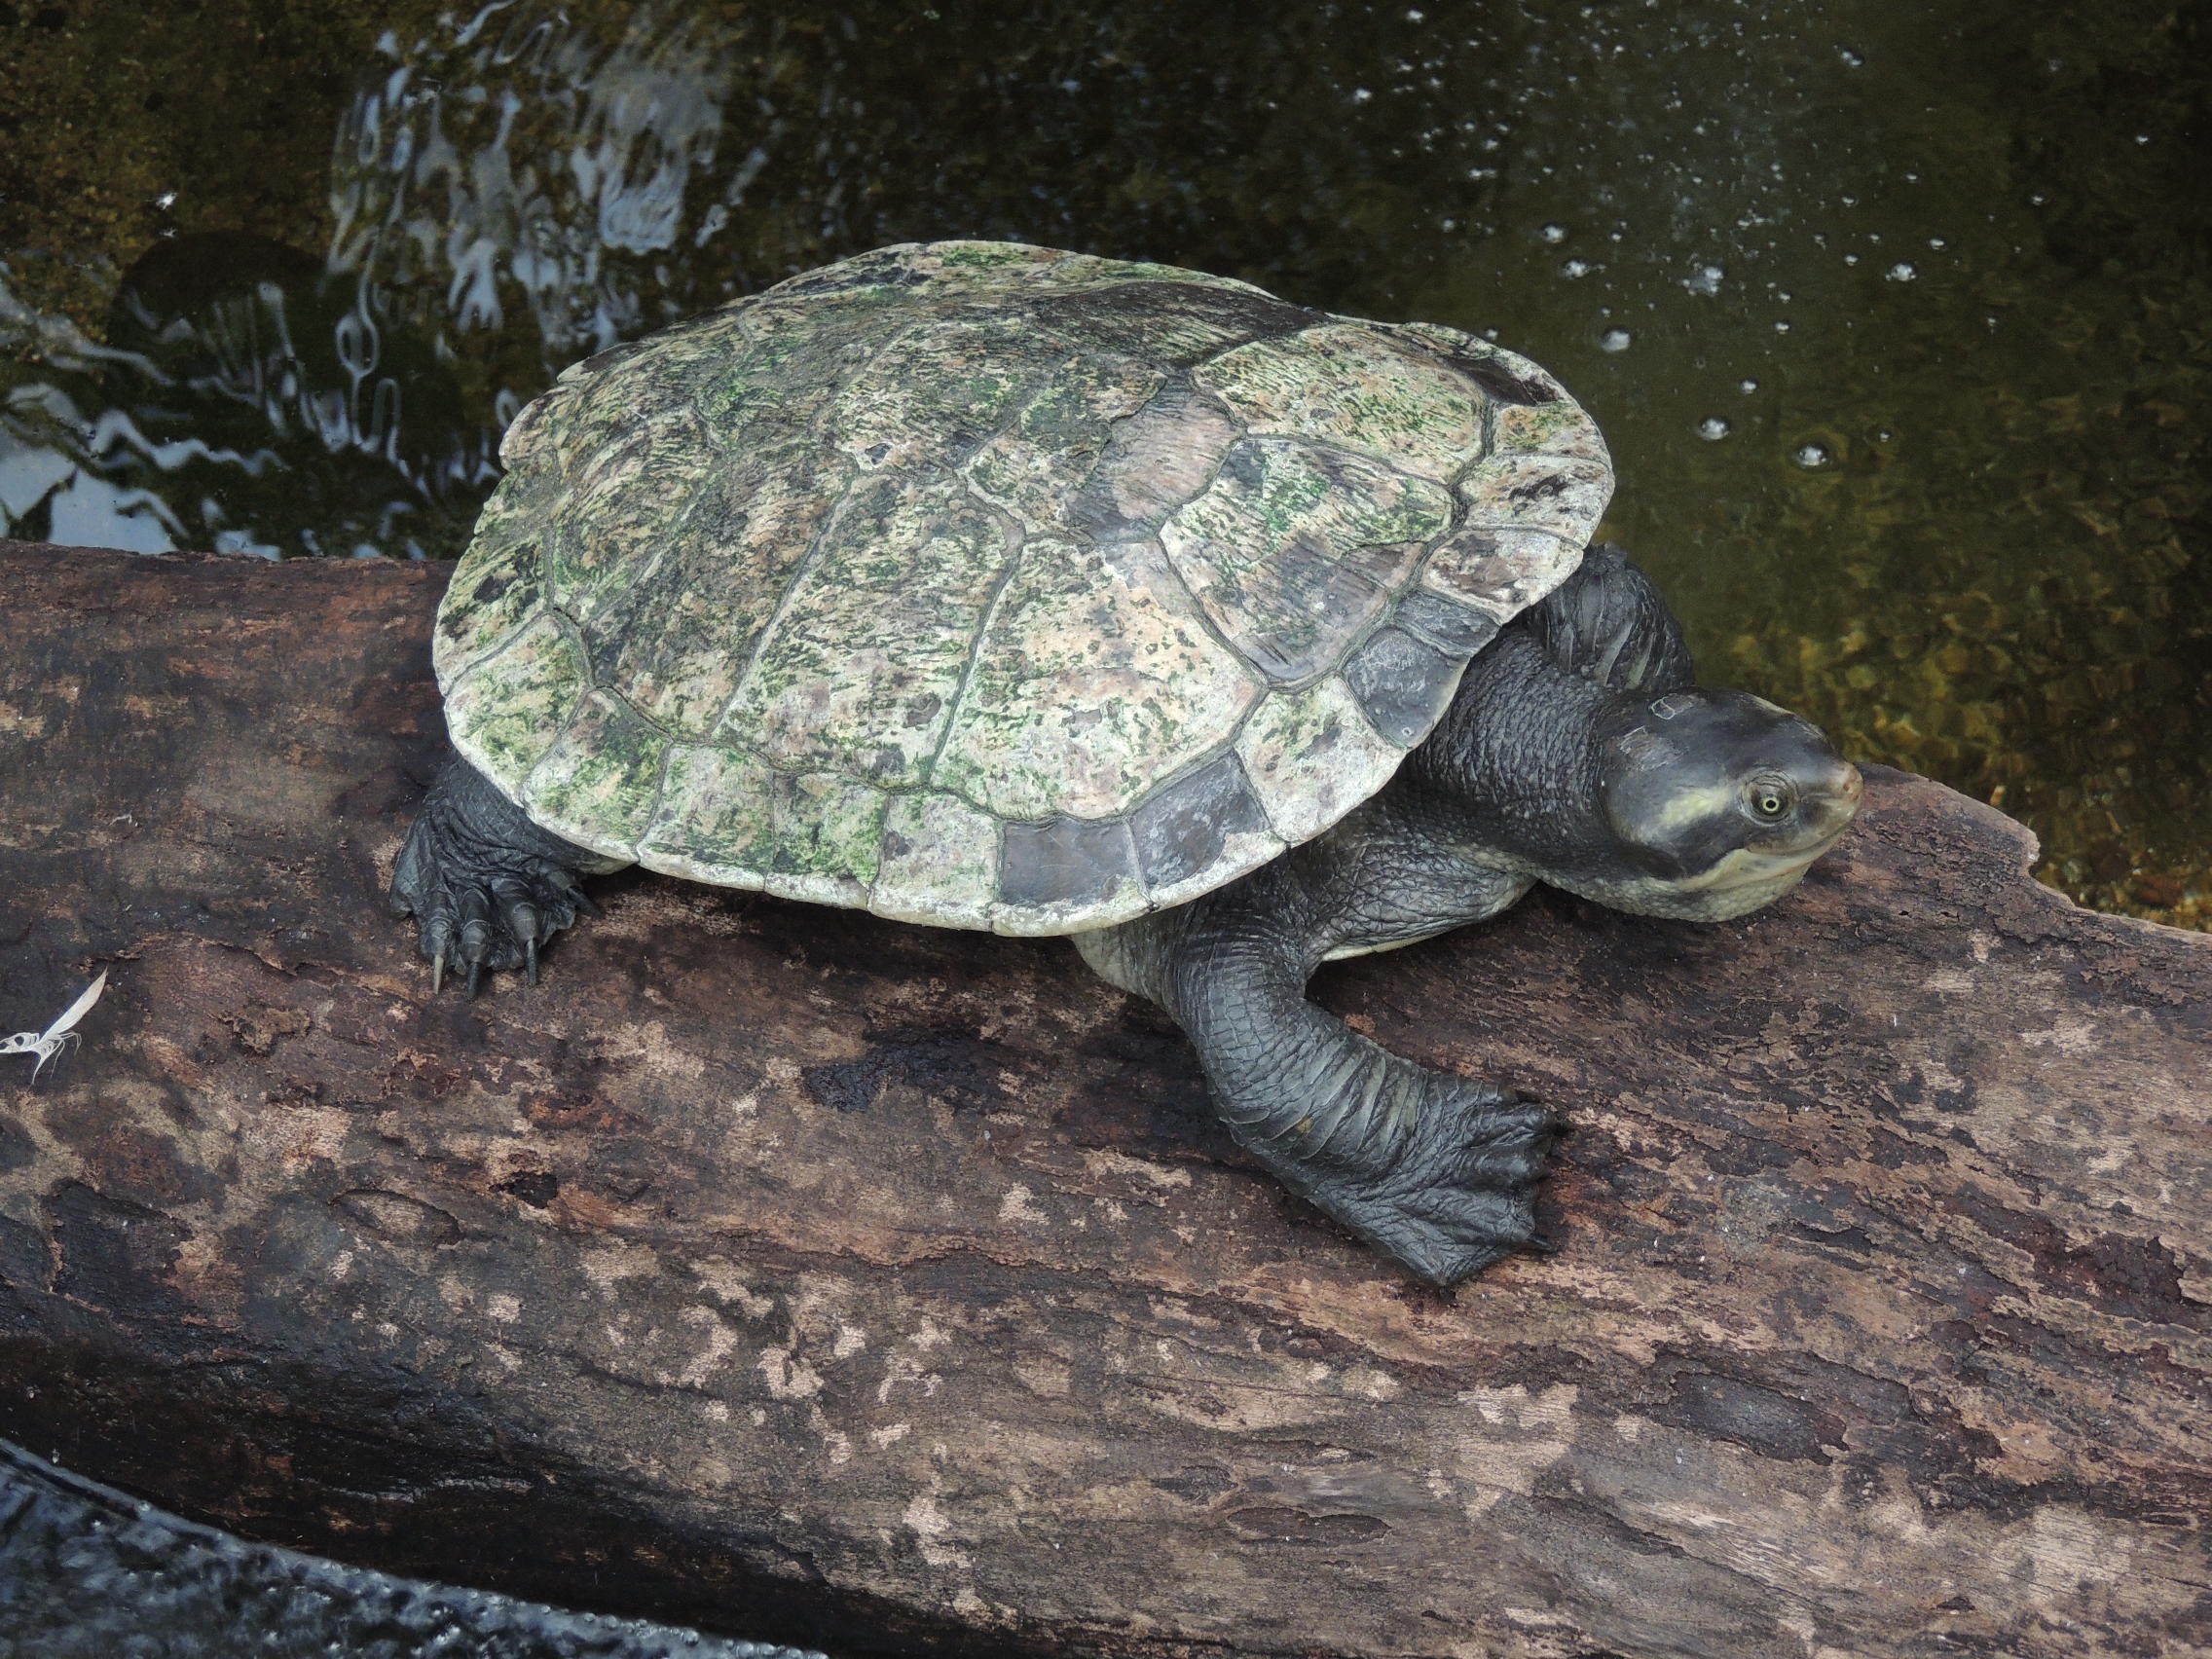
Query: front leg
x=1436 y=1171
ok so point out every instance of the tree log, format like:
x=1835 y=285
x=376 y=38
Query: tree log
x=898 y=1285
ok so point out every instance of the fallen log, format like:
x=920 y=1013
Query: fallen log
x=896 y=1283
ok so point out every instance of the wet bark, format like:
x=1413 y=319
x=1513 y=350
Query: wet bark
x=894 y=1284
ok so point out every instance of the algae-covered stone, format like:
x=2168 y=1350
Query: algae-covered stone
x=997 y=586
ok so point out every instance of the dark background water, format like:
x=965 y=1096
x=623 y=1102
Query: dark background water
x=1894 y=314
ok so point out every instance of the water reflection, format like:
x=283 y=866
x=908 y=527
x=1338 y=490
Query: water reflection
x=1886 y=310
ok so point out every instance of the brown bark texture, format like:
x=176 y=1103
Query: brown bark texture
x=873 y=1285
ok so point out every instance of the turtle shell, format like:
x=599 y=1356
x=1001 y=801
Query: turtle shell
x=999 y=587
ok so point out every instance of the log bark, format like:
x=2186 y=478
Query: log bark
x=896 y=1284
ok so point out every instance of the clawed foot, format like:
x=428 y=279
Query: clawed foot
x=486 y=886
x=1463 y=1193
x=493 y=922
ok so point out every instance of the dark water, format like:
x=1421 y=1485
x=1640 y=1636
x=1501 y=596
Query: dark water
x=1895 y=316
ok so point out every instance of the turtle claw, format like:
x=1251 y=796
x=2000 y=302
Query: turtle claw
x=487 y=895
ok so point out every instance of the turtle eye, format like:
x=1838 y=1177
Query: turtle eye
x=1770 y=798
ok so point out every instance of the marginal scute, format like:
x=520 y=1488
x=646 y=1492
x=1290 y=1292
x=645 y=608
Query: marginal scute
x=1313 y=757
x=713 y=822
x=1454 y=628
x=499 y=584
x=1093 y=679
x=861 y=672
x=537 y=425
x=1550 y=429
x=1294 y=549
x=999 y=586
x=1501 y=571
x=1506 y=378
x=504 y=712
x=940 y=863
x=1187 y=829
x=1560 y=493
x=1357 y=386
x=1403 y=685
x=827 y=835
x=1066 y=867
x=599 y=783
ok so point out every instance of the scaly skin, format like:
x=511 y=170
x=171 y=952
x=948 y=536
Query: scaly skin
x=1576 y=753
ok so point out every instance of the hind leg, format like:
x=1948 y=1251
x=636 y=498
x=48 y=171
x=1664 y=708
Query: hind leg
x=485 y=885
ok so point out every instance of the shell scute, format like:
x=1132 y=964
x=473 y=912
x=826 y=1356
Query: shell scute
x=1155 y=459
x=676 y=640
x=1559 y=494
x=828 y=835
x=1313 y=757
x=942 y=389
x=1093 y=679
x=501 y=585
x=713 y=822
x=1403 y=685
x=1295 y=551
x=939 y=861
x=1192 y=825
x=506 y=709
x=1053 y=873
x=859 y=671
x=618 y=509
x=1500 y=571
x=1357 y=386
x=1034 y=467
x=599 y=780
x=1169 y=321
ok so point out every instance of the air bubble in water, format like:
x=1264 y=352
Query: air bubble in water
x=1554 y=233
x=1616 y=340
x=1713 y=429
x=1811 y=454
x=1902 y=271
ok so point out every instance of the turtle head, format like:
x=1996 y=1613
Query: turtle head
x=1718 y=802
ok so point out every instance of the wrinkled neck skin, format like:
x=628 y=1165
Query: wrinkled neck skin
x=1512 y=772
x=1517 y=776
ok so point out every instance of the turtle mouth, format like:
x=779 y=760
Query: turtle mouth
x=1756 y=866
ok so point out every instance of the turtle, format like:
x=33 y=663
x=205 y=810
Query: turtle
x=991 y=586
